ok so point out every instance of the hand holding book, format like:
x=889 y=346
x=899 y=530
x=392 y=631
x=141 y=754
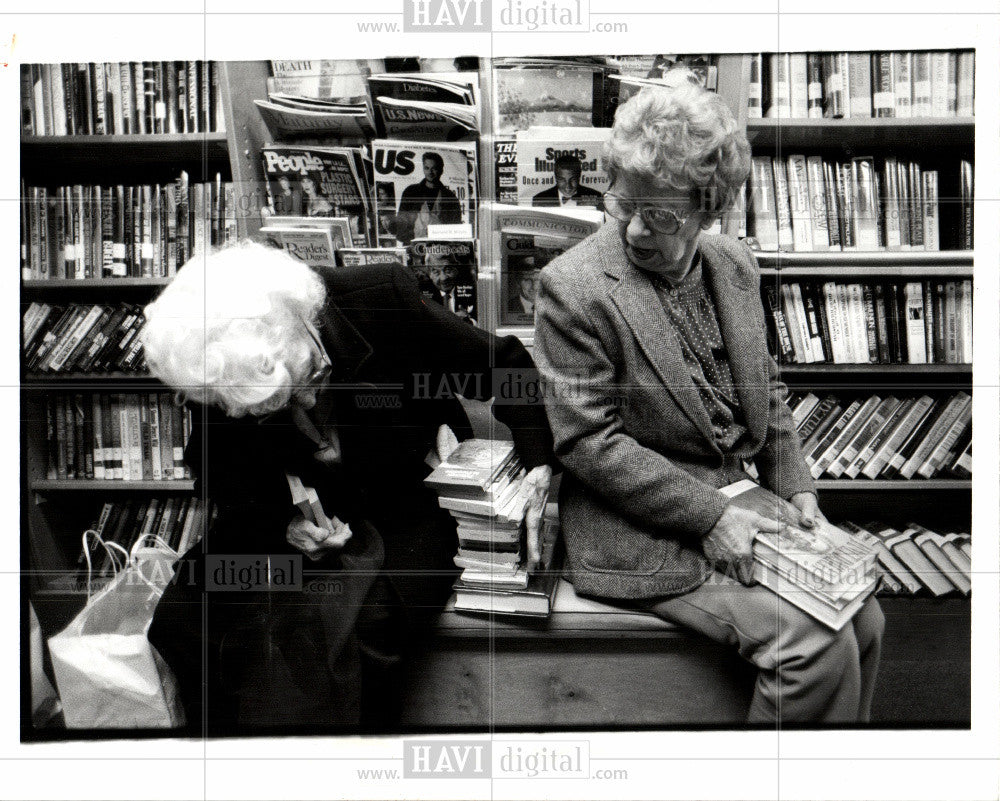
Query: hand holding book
x=536 y=486
x=730 y=542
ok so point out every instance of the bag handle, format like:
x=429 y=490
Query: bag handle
x=109 y=547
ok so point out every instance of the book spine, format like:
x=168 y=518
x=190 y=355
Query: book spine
x=922 y=105
x=798 y=81
x=859 y=86
x=871 y=326
x=755 y=90
x=916 y=340
x=862 y=436
x=153 y=415
x=833 y=211
x=966 y=68
x=902 y=66
x=786 y=239
x=883 y=94
x=930 y=209
x=836 y=85
x=798 y=198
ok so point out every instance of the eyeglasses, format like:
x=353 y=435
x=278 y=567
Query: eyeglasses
x=321 y=373
x=659 y=220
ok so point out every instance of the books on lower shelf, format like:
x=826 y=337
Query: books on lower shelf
x=117 y=436
x=866 y=322
x=140 y=97
x=862 y=85
x=914 y=559
x=143 y=231
x=810 y=203
x=884 y=436
x=827 y=572
x=179 y=521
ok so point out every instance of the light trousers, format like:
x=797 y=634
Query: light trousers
x=807 y=673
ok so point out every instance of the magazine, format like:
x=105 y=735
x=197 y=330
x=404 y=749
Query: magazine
x=549 y=95
x=525 y=240
x=313 y=181
x=559 y=167
x=446 y=272
x=433 y=108
x=418 y=185
x=365 y=257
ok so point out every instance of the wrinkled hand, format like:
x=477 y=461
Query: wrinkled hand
x=809 y=513
x=315 y=541
x=536 y=485
x=730 y=541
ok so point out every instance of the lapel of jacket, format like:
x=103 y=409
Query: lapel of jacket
x=636 y=299
x=736 y=302
x=348 y=350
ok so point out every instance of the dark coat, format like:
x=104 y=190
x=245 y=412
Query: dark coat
x=642 y=465
x=398 y=363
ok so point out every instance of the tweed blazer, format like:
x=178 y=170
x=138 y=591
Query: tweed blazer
x=642 y=464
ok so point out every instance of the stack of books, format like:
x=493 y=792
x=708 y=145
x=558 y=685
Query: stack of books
x=825 y=571
x=482 y=485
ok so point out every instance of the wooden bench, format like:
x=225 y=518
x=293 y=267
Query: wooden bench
x=589 y=665
x=594 y=665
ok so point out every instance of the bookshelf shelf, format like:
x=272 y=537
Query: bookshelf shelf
x=913 y=485
x=96 y=380
x=38 y=285
x=956 y=371
x=881 y=132
x=803 y=270
x=138 y=149
x=933 y=259
x=98 y=485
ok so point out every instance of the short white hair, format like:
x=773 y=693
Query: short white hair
x=229 y=330
x=680 y=138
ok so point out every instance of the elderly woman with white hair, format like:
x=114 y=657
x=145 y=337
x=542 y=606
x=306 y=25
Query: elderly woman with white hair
x=343 y=380
x=650 y=338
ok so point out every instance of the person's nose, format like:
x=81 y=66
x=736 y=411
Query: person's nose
x=637 y=226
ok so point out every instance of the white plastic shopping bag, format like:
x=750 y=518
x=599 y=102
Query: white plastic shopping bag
x=108 y=674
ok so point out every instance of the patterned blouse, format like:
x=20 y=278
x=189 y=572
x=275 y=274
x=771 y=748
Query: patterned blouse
x=691 y=310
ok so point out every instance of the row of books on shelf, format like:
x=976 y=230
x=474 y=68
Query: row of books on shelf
x=82 y=338
x=862 y=85
x=179 y=521
x=810 y=203
x=116 y=436
x=914 y=560
x=139 y=97
x=482 y=485
x=885 y=437
x=143 y=231
x=928 y=322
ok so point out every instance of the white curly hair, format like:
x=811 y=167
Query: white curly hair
x=229 y=330
x=681 y=139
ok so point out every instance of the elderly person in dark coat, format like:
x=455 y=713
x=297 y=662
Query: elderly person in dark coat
x=651 y=341
x=343 y=380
